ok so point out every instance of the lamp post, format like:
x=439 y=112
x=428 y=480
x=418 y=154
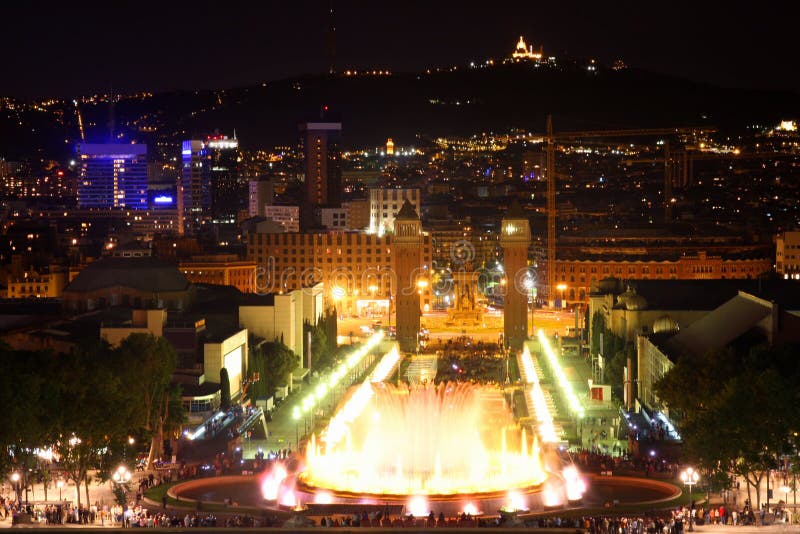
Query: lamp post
x=121 y=475
x=59 y=485
x=690 y=477
x=15 y=480
x=296 y=417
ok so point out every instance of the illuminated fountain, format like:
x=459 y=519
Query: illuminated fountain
x=440 y=440
x=453 y=443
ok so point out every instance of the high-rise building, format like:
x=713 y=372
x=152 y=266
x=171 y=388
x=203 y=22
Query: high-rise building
x=261 y=194
x=406 y=247
x=515 y=238
x=384 y=205
x=112 y=176
x=210 y=187
x=323 y=172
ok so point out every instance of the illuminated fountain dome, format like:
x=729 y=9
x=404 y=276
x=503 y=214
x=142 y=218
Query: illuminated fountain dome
x=449 y=447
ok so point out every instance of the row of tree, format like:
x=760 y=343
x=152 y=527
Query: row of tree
x=736 y=410
x=85 y=405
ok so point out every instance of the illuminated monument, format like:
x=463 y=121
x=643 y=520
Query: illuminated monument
x=523 y=51
x=406 y=249
x=515 y=238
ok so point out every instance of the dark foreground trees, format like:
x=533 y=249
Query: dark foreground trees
x=84 y=405
x=737 y=408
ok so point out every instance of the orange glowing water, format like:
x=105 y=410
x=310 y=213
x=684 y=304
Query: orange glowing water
x=444 y=439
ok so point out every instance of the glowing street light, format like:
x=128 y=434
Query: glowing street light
x=59 y=485
x=690 y=477
x=121 y=475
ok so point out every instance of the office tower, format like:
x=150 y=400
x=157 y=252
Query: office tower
x=112 y=176
x=210 y=188
x=323 y=173
x=261 y=193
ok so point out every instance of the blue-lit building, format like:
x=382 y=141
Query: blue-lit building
x=112 y=176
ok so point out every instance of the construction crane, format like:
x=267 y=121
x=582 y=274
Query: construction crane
x=552 y=139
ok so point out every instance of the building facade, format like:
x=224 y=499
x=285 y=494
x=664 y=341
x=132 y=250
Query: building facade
x=220 y=269
x=323 y=173
x=384 y=204
x=357 y=270
x=286 y=216
x=112 y=176
x=787 y=255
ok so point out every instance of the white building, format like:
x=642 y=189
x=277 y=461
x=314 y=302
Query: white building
x=384 y=205
x=277 y=316
x=334 y=218
x=287 y=216
x=230 y=353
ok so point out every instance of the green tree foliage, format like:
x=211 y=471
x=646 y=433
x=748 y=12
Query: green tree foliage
x=224 y=389
x=273 y=362
x=92 y=404
x=736 y=408
x=148 y=364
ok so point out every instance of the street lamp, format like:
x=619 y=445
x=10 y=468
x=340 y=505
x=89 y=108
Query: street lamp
x=690 y=477
x=121 y=475
x=15 y=480
x=59 y=485
x=296 y=417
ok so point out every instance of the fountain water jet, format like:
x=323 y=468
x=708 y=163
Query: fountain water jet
x=448 y=439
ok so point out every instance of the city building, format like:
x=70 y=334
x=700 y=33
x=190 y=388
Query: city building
x=228 y=351
x=384 y=204
x=286 y=216
x=220 y=269
x=407 y=247
x=584 y=260
x=357 y=214
x=515 y=238
x=787 y=255
x=112 y=176
x=334 y=218
x=281 y=316
x=33 y=284
x=357 y=270
x=745 y=318
x=119 y=281
x=261 y=195
x=210 y=187
x=323 y=173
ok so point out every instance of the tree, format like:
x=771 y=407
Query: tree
x=224 y=390
x=273 y=362
x=92 y=417
x=149 y=362
x=735 y=408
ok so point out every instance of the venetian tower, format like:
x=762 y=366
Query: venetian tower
x=406 y=251
x=515 y=238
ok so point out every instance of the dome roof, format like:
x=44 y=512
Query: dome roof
x=144 y=273
x=636 y=303
x=665 y=323
x=622 y=299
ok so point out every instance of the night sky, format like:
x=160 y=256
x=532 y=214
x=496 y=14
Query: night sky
x=68 y=48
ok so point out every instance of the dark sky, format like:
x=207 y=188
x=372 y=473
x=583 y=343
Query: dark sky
x=77 y=47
